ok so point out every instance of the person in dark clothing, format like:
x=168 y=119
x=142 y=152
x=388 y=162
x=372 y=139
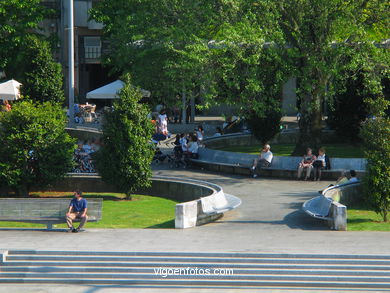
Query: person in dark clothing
x=77 y=210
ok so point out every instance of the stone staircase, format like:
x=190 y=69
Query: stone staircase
x=242 y=270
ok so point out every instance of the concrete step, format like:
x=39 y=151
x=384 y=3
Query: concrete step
x=247 y=269
x=235 y=277
x=197 y=260
x=198 y=254
x=356 y=267
x=240 y=271
x=194 y=283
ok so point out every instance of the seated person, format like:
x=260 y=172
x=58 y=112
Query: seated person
x=306 y=164
x=183 y=142
x=345 y=177
x=322 y=162
x=218 y=132
x=77 y=210
x=264 y=160
x=87 y=148
x=199 y=133
x=353 y=177
x=192 y=147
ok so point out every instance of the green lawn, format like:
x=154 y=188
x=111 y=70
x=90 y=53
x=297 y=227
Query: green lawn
x=365 y=220
x=141 y=212
x=333 y=150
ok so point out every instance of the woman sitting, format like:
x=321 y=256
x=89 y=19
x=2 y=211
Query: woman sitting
x=306 y=164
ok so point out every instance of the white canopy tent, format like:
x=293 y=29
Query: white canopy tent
x=10 y=90
x=110 y=91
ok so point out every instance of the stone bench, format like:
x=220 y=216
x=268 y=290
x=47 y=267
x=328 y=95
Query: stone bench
x=327 y=206
x=282 y=166
x=46 y=211
x=205 y=209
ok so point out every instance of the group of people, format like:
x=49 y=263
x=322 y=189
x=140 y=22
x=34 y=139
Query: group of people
x=5 y=106
x=309 y=163
x=83 y=156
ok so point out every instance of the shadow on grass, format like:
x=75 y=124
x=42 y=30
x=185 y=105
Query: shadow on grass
x=165 y=225
x=104 y=197
x=359 y=221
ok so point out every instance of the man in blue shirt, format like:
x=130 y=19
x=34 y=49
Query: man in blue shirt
x=77 y=210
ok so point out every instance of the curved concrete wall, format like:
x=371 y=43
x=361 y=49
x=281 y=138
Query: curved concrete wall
x=200 y=202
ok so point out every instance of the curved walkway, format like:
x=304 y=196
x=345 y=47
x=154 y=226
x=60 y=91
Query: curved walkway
x=269 y=220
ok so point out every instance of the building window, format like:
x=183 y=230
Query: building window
x=92 y=47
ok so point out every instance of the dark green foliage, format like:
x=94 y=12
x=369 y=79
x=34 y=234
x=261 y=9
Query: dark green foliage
x=376 y=136
x=348 y=110
x=35 y=148
x=126 y=155
x=267 y=127
x=17 y=19
x=33 y=65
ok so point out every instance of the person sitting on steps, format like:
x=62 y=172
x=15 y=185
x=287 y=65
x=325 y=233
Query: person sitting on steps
x=265 y=160
x=78 y=208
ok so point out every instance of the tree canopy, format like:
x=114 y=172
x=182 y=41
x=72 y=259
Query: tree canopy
x=241 y=52
x=33 y=65
x=17 y=19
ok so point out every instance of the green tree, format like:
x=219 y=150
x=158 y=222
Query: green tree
x=376 y=136
x=317 y=36
x=35 y=149
x=17 y=19
x=33 y=65
x=126 y=155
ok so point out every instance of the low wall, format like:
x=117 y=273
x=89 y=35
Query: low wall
x=83 y=134
x=197 y=198
x=282 y=167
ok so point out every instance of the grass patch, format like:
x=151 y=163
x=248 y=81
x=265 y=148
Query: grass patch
x=141 y=212
x=333 y=150
x=361 y=219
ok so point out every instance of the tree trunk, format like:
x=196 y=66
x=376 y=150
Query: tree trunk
x=128 y=196
x=310 y=125
x=22 y=191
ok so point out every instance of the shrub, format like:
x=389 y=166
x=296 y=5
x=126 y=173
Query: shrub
x=35 y=148
x=376 y=136
x=126 y=155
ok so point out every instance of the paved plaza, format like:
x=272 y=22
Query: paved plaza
x=269 y=220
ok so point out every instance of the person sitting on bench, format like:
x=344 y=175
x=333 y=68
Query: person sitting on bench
x=265 y=160
x=77 y=210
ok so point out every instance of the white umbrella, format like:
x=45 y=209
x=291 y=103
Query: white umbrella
x=110 y=91
x=10 y=90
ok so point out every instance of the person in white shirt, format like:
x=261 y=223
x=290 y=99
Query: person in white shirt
x=163 y=123
x=264 y=160
x=320 y=164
